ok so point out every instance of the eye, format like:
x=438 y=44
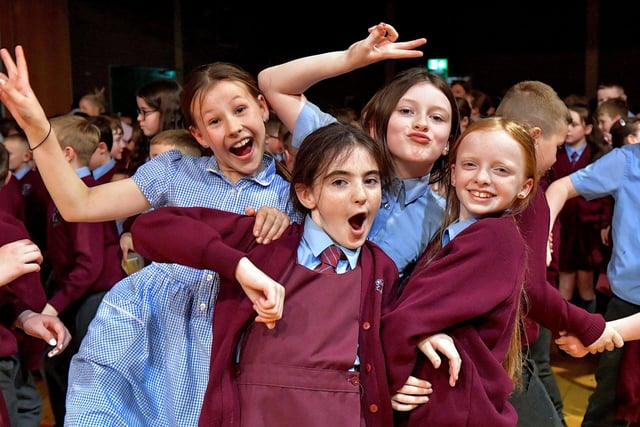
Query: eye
x=372 y=180
x=339 y=182
x=468 y=164
x=214 y=122
x=241 y=109
x=439 y=119
x=405 y=111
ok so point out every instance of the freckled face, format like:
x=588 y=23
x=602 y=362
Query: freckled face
x=345 y=201
x=488 y=174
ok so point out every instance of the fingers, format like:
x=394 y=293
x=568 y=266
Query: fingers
x=270 y=224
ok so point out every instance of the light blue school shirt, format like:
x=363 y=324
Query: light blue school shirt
x=145 y=358
x=410 y=214
x=101 y=170
x=454 y=229
x=20 y=173
x=315 y=240
x=617 y=174
x=569 y=151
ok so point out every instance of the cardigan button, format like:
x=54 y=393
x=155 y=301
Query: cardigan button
x=366 y=326
x=354 y=380
x=373 y=408
x=368 y=368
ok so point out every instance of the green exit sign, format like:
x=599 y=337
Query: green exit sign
x=439 y=66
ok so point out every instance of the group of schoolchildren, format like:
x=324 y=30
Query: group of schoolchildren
x=330 y=294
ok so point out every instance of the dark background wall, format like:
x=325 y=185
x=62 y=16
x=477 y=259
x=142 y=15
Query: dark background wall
x=494 y=43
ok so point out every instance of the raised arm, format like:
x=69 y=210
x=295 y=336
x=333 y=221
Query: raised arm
x=73 y=198
x=557 y=194
x=284 y=85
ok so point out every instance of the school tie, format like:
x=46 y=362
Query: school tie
x=329 y=259
x=574 y=157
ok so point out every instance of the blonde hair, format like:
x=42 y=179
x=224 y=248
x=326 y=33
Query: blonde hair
x=180 y=139
x=536 y=104
x=78 y=133
x=97 y=98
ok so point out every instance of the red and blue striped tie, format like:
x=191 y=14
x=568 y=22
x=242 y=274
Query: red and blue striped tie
x=329 y=259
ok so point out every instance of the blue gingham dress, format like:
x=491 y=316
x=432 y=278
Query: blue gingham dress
x=145 y=359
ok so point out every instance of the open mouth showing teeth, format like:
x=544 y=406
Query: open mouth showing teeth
x=243 y=147
x=356 y=221
x=481 y=195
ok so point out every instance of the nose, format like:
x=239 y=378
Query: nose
x=483 y=176
x=234 y=125
x=359 y=193
x=421 y=123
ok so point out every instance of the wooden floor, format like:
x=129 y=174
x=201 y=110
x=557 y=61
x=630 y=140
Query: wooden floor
x=574 y=376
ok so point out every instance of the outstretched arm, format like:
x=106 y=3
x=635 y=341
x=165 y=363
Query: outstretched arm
x=557 y=194
x=612 y=337
x=285 y=84
x=73 y=198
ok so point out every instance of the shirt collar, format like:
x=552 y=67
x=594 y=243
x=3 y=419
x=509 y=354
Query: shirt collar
x=454 y=229
x=318 y=240
x=264 y=177
x=407 y=191
x=83 y=171
x=20 y=173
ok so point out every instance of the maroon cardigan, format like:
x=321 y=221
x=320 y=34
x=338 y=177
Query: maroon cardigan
x=471 y=291
x=217 y=240
x=85 y=256
x=544 y=304
x=24 y=293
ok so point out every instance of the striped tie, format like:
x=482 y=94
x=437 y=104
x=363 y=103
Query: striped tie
x=329 y=259
x=574 y=157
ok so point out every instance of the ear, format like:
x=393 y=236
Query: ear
x=445 y=150
x=69 y=153
x=306 y=196
x=453 y=179
x=198 y=136
x=588 y=129
x=535 y=133
x=264 y=106
x=526 y=189
x=102 y=146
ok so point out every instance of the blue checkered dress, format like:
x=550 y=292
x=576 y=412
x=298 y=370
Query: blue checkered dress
x=145 y=359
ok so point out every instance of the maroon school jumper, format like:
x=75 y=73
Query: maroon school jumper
x=23 y=293
x=580 y=220
x=85 y=256
x=544 y=303
x=11 y=200
x=470 y=291
x=36 y=202
x=217 y=240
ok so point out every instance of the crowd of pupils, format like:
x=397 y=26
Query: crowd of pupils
x=481 y=230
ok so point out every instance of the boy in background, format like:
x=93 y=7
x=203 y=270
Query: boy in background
x=85 y=257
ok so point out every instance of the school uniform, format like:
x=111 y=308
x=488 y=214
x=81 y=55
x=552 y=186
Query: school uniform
x=298 y=373
x=103 y=174
x=85 y=258
x=410 y=211
x=470 y=291
x=616 y=174
x=20 y=354
x=11 y=200
x=145 y=359
x=544 y=306
x=36 y=200
x=580 y=219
